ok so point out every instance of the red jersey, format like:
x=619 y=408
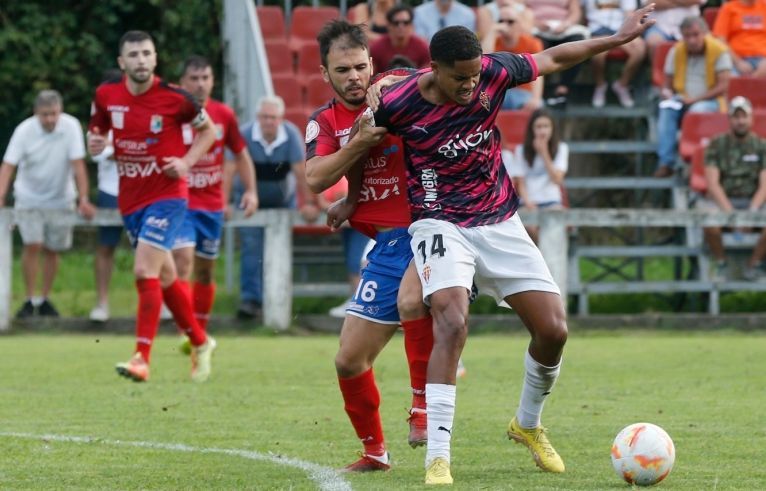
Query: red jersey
x=146 y=128
x=206 y=176
x=383 y=198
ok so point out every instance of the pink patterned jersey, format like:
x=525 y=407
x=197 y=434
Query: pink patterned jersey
x=455 y=171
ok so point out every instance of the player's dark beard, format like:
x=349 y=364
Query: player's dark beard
x=340 y=91
x=741 y=133
x=138 y=79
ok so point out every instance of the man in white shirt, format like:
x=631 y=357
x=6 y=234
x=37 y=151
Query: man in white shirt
x=48 y=151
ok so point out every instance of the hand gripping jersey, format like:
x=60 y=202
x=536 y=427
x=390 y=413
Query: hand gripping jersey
x=146 y=129
x=455 y=170
x=383 y=198
x=206 y=176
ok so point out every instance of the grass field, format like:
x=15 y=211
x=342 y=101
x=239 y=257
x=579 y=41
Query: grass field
x=275 y=398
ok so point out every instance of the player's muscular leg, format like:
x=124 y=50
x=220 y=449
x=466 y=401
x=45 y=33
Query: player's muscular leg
x=360 y=343
x=184 y=260
x=543 y=315
x=449 y=308
x=150 y=261
x=203 y=270
x=409 y=300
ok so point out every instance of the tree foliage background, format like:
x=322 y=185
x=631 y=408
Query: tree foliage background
x=67 y=45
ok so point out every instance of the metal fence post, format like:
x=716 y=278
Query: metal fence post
x=278 y=269
x=6 y=266
x=554 y=245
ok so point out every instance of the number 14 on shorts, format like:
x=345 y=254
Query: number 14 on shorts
x=437 y=247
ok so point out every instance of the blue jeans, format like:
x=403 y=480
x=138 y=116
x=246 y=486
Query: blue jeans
x=271 y=194
x=668 y=123
x=515 y=98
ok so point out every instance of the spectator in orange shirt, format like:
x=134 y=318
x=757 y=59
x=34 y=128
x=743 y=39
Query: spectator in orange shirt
x=742 y=25
x=507 y=35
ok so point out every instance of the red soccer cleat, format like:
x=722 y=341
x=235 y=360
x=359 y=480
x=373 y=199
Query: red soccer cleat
x=368 y=464
x=418 y=421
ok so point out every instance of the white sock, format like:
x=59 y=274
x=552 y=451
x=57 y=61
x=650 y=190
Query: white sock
x=538 y=381
x=440 y=407
x=37 y=301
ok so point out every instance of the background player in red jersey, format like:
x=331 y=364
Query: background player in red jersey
x=382 y=213
x=200 y=234
x=465 y=226
x=146 y=116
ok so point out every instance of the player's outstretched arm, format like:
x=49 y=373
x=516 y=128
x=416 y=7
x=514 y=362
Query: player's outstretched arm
x=566 y=55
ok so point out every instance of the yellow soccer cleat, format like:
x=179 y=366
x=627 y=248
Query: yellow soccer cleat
x=135 y=369
x=184 y=345
x=201 y=360
x=537 y=442
x=438 y=472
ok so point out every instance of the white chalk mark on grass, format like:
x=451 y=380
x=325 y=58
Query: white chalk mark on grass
x=326 y=478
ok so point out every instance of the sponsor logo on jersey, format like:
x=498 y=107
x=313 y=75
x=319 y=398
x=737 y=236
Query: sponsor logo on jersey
x=155 y=123
x=134 y=169
x=204 y=179
x=430 y=183
x=456 y=144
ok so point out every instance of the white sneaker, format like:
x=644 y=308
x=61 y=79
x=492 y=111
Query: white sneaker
x=100 y=313
x=623 y=94
x=201 y=360
x=339 y=312
x=599 y=95
x=165 y=313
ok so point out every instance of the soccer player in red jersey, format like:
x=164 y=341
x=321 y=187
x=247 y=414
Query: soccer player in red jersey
x=382 y=212
x=200 y=234
x=465 y=228
x=146 y=116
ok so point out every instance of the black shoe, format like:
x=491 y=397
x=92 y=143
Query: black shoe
x=47 y=309
x=26 y=311
x=248 y=310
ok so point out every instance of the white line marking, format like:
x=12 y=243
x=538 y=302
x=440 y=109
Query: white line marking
x=326 y=478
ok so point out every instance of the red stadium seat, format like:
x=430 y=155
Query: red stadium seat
x=288 y=88
x=616 y=54
x=759 y=122
x=306 y=23
x=308 y=60
x=280 y=58
x=752 y=88
x=272 y=21
x=697 y=129
x=299 y=117
x=318 y=92
x=513 y=127
x=709 y=14
x=658 y=63
x=697 y=180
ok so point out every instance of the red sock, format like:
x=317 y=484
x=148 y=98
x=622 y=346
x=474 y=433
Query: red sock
x=148 y=316
x=362 y=402
x=418 y=342
x=178 y=299
x=203 y=296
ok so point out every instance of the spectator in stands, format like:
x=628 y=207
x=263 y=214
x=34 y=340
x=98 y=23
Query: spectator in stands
x=735 y=169
x=668 y=15
x=538 y=166
x=49 y=151
x=742 y=25
x=400 y=40
x=489 y=14
x=507 y=35
x=433 y=15
x=697 y=73
x=558 y=22
x=372 y=17
x=276 y=148
x=604 y=18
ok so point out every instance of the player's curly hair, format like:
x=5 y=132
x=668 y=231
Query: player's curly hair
x=454 y=43
x=338 y=30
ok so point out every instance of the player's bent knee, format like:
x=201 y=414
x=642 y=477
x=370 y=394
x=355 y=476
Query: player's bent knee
x=350 y=366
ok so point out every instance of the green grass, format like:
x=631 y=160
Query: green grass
x=278 y=394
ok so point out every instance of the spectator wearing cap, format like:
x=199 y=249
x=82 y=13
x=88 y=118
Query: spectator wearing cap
x=697 y=71
x=735 y=170
x=399 y=40
x=434 y=15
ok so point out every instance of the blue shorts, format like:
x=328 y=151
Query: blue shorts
x=375 y=297
x=156 y=224
x=202 y=230
x=108 y=236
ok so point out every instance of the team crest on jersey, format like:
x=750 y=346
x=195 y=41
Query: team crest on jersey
x=219 y=132
x=155 y=124
x=484 y=100
x=118 y=120
x=312 y=131
x=426 y=273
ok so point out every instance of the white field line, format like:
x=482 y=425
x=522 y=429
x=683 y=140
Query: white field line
x=326 y=478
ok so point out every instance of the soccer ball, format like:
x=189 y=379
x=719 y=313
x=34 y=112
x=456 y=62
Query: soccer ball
x=643 y=454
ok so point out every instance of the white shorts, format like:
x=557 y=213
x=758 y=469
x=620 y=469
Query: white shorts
x=37 y=227
x=500 y=258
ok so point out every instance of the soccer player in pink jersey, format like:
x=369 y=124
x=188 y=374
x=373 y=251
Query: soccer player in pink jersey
x=146 y=116
x=381 y=211
x=200 y=234
x=465 y=228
